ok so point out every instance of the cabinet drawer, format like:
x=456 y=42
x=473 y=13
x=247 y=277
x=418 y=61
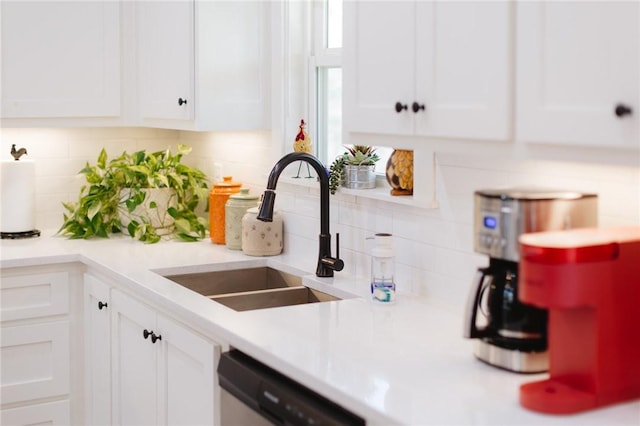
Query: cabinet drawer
x=49 y=413
x=35 y=361
x=34 y=296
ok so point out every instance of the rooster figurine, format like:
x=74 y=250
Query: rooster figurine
x=303 y=144
x=17 y=153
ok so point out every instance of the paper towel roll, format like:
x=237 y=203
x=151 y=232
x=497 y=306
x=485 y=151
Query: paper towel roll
x=18 y=196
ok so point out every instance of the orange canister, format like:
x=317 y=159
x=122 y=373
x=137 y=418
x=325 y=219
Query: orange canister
x=218 y=197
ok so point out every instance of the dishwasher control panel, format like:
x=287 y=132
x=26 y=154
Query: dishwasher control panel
x=276 y=397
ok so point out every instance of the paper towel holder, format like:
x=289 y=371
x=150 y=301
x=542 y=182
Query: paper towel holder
x=16 y=154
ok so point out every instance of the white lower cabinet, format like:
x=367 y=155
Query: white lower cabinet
x=97 y=379
x=37 y=350
x=47 y=413
x=158 y=372
x=35 y=361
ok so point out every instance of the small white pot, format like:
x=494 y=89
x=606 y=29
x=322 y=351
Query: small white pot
x=159 y=217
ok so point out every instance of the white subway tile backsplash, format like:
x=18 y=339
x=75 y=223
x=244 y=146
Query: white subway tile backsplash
x=367 y=216
x=415 y=253
x=434 y=248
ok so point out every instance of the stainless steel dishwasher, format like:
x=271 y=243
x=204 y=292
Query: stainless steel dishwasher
x=254 y=394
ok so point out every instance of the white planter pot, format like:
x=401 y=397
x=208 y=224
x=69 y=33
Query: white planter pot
x=359 y=177
x=157 y=216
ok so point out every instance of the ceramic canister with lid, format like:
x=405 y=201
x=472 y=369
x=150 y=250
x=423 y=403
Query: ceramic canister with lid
x=217 y=199
x=261 y=238
x=236 y=207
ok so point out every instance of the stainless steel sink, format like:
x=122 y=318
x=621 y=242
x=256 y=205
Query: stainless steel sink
x=253 y=288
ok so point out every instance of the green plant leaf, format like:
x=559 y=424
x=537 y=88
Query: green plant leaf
x=173 y=212
x=102 y=159
x=94 y=209
x=182 y=225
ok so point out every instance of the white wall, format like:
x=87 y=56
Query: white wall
x=433 y=247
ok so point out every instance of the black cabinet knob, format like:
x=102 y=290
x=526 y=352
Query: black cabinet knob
x=146 y=333
x=415 y=107
x=622 y=110
x=101 y=305
x=400 y=107
x=182 y=101
x=155 y=337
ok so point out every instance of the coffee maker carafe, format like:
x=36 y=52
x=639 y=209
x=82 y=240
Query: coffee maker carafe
x=508 y=333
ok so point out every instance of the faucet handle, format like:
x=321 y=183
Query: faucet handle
x=338 y=264
x=335 y=263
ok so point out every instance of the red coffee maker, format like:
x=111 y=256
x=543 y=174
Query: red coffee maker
x=589 y=280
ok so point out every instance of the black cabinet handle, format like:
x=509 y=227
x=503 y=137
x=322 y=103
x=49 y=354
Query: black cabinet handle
x=400 y=107
x=182 y=101
x=101 y=305
x=622 y=110
x=415 y=107
x=146 y=333
x=155 y=337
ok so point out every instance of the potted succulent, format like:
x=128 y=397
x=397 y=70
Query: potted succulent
x=354 y=169
x=145 y=194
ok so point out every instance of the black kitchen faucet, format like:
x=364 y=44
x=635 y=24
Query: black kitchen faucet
x=326 y=263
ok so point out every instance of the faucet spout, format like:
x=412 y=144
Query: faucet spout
x=326 y=263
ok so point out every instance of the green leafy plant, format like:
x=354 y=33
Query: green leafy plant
x=356 y=155
x=120 y=185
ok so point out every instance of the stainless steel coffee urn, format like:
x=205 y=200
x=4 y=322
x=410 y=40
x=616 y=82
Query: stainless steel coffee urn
x=510 y=334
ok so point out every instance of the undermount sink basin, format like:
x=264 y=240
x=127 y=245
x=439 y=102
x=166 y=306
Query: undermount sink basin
x=253 y=288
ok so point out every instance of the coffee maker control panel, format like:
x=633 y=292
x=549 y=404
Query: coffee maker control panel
x=500 y=217
x=489 y=238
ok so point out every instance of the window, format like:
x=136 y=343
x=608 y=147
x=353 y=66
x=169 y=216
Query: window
x=326 y=78
x=326 y=62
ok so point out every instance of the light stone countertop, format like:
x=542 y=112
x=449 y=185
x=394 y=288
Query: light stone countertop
x=401 y=364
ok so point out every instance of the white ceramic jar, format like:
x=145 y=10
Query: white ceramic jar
x=235 y=208
x=261 y=238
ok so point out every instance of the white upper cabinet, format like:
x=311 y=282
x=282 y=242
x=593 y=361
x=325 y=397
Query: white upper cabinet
x=578 y=73
x=436 y=69
x=166 y=59
x=60 y=59
x=204 y=65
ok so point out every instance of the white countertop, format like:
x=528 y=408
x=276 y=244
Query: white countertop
x=405 y=364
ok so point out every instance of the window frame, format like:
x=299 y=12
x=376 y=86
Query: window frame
x=321 y=58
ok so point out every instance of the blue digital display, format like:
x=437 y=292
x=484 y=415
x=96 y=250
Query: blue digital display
x=490 y=222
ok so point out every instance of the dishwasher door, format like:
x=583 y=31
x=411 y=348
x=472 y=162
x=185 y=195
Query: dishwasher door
x=234 y=412
x=254 y=394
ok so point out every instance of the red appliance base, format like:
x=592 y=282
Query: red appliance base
x=589 y=280
x=554 y=397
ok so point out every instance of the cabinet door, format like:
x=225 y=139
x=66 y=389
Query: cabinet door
x=463 y=69
x=48 y=413
x=379 y=66
x=134 y=380
x=188 y=384
x=97 y=332
x=35 y=361
x=60 y=59
x=450 y=59
x=34 y=295
x=232 y=65
x=576 y=63
x=166 y=59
